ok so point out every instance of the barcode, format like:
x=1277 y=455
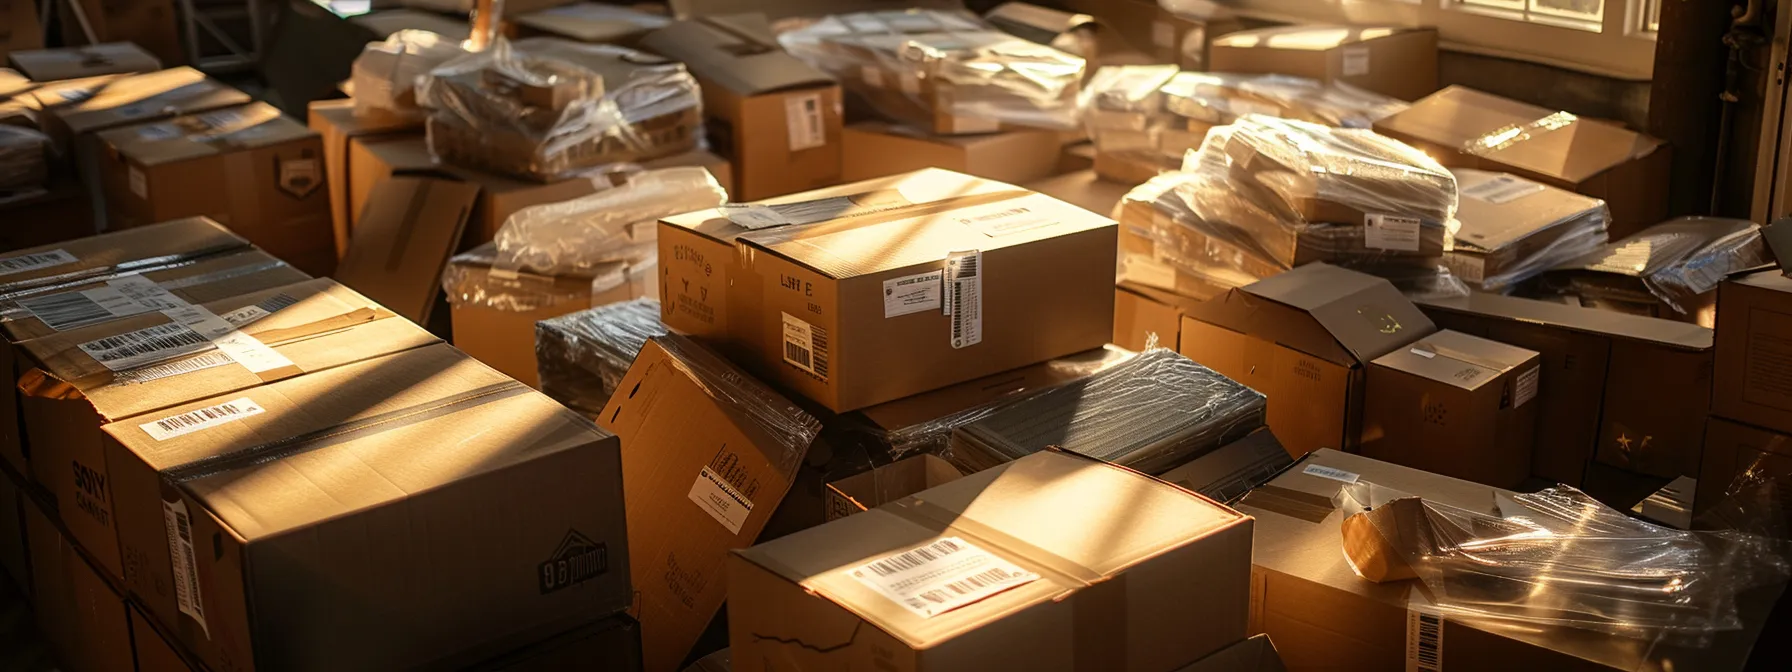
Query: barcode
x=818 y=342
x=66 y=311
x=914 y=558
x=967 y=585
x=964 y=273
x=797 y=354
x=143 y=342
x=27 y=262
x=200 y=416
x=277 y=302
x=185 y=529
x=1429 y=654
x=197 y=363
x=193 y=421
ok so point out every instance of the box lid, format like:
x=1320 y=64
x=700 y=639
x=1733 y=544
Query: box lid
x=1337 y=314
x=251 y=126
x=1543 y=141
x=738 y=52
x=840 y=202
x=1505 y=209
x=111 y=58
x=591 y=21
x=403 y=241
x=1305 y=37
x=1457 y=359
x=1587 y=320
x=151 y=95
x=307 y=326
x=1052 y=512
x=116 y=252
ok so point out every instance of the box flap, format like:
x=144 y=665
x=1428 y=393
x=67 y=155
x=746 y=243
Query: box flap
x=1355 y=317
x=1305 y=37
x=151 y=95
x=1524 y=136
x=403 y=241
x=223 y=131
x=116 y=252
x=1256 y=654
x=111 y=58
x=737 y=52
x=1576 y=318
x=1456 y=359
x=932 y=406
x=1508 y=208
x=1098 y=517
x=895 y=480
x=591 y=22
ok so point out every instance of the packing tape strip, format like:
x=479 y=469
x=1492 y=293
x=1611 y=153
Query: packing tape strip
x=32 y=287
x=10 y=310
x=1502 y=138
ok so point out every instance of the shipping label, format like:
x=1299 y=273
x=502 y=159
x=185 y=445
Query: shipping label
x=938 y=577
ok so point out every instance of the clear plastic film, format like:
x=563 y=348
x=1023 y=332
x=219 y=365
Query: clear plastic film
x=545 y=108
x=581 y=357
x=1490 y=257
x=782 y=421
x=385 y=75
x=1674 y=262
x=578 y=235
x=1152 y=413
x=25 y=156
x=1558 y=558
x=945 y=71
x=475 y=278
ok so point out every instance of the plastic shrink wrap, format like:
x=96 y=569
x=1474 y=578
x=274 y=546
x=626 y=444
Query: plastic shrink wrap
x=545 y=109
x=385 y=75
x=582 y=356
x=1513 y=230
x=792 y=428
x=25 y=156
x=1667 y=270
x=943 y=71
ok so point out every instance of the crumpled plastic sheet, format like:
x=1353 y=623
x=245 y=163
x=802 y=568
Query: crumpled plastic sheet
x=1674 y=261
x=386 y=73
x=581 y=357
x=25 y=156
x=579 y=234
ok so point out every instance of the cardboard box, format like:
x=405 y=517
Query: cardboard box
x=1129 y=169
x=696 y=430
x=720 y=661
x=1155 y=572
x=149 y=23
x=1627 y=391
x=1147 y=318
x=1754 y=326
x=1161 y=35
x=336 y=122
x=778 y=119
x=1030 y=276
x=586 y=22
x=15 y=557
x=610 y=644
x=1732 y=449
x=1456 y=405
x=20 y=30
x=155 y=652
x=249 y=168
x=876 y=149
x=411 y=226
x=347 y=519
x=1465 y=128
x=1084 y=189
x=1514 y=229
x=374 y=159
x=1305 y=339
x=111 y=58
x=1229 y=472
x=1398 y=62
x=283 y=332
x=1321 y=615
x=888 y=483
x=79 y=613
x=1256 y=654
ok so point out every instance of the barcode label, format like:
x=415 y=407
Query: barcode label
x=964 y=297
x=1356 y=61
x=121 y=297
x=34 y=261
x=204 y=418
x=1424 y=641
x=248 y=315
x=806 y=346
x=935 y=578
x=1497 y=188
x=243 y=348
x=1526 y=387
x=1328 y=472
x=802 y=117
x=199 y=362
x=185 y=561
x=721 y=500
x=145 y=346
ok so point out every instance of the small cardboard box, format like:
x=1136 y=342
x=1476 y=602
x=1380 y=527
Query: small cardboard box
x=1322 y=615
x=347 y=519
x=708 y=453
x=1630 y=392
x=1145 y=317
x=1754 y=334
x=111 y=58
x=1398 y=62
x=861 y=492
x=778 y=119
x=876 y=149
x=1304 y=339
x=1465 y=128
x=79 y=613
x=87 y=377
x=1068 y=563
x=1229 y=472
x=249 y=168
x=336 y=122
x=586 y=22
x=1514 y=229
x=411 y=226
x=1456 y=405
x=1732 y=449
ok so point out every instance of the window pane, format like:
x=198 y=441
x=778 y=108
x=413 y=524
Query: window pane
x=1652 y=20
x=1590 y=10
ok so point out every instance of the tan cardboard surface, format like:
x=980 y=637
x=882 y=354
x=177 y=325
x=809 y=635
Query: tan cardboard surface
x=110 y=58
x=79 y=613
x=877 y=149
x=1257 y=654
x=1146 y=317
x=1391 y=61
x=1083 y=189
x=1456 y=405
x=337 y=123
x=1753 y=384
x=154 y=652
x=144 y=97
x=888 y=483
x=411 y=226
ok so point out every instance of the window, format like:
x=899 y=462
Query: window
x=1607 y=37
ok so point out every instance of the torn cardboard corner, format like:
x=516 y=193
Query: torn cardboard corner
x=403 y=241
x=312 y=467
x=111 y=58
x=1051 y=562
x=1457 y=405
x=708 y=453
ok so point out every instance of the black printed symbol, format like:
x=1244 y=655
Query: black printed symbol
x=577 y=560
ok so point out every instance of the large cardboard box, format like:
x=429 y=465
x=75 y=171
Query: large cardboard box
x=1733 y=449
x=79 y=613
x=336 y=123
x=1465 y=128
x=1050 y=562
x=87 y=377
x=1147 y=318
x=708 y=453
x=1323 y=616
x=249 y=168
x=1754 y=339
x=155 y=651
x=1398 y=62
x=1456 y=405
x=1084 y=189
x=411 y=226
x=876 y=149
x=111 y=58
x=777 y=118
x=1304 y=339
x=1630 y=392
x=586 y=22
x=348 y=519
x=881 y=485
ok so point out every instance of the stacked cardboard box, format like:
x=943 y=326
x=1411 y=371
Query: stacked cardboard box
x=1749 y=424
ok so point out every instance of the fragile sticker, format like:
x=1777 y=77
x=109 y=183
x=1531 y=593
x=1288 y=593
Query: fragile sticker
x=938 y=577
x=720 y=500
x=1391 y=232
x=912 y=294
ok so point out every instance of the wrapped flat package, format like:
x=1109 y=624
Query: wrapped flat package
x=1152 y=413
x=1514 y=229
x=385 y=74
x=544 y=108
x=24 y=158
x=582 y=356
x=1558 y=558
x=943 y=71
x=1675 y=265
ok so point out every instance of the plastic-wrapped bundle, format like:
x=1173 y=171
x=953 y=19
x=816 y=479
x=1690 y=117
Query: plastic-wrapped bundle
x=545 y=108
x=1514 y=229
x=947 y=72
x=24 y=158
x=1151 y=413
x=385 y=74
x=1675 y=264
x=477 y=277
x=596 y=229
x=582 y=356
x=1558 y=558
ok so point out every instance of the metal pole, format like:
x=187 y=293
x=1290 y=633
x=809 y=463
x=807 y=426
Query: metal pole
x=487 y=14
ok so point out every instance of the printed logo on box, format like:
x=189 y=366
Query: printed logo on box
x=578 y=559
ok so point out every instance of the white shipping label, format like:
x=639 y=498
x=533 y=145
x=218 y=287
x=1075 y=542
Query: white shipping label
x=1526 y=387
x=139 y=183
x=186 y=562
x=720 y=500
x=146 y=292
x=754 y=216
x=157 y=132
x=1328 y=472
x=1424 y=641
x=803 y=118
x=935 y=578
x=964 y=297
x=252 y=354
x=912 y=294
x=1002 y=219
x=34 y=261
x=1469 y=267
x=1356 y=61
x=805 y=346
x=1391 y=232
x=145 y=346
x=1427 y=354
x=199 y=362
x=121 y=297
x=204 y=418
x=1499 y=188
